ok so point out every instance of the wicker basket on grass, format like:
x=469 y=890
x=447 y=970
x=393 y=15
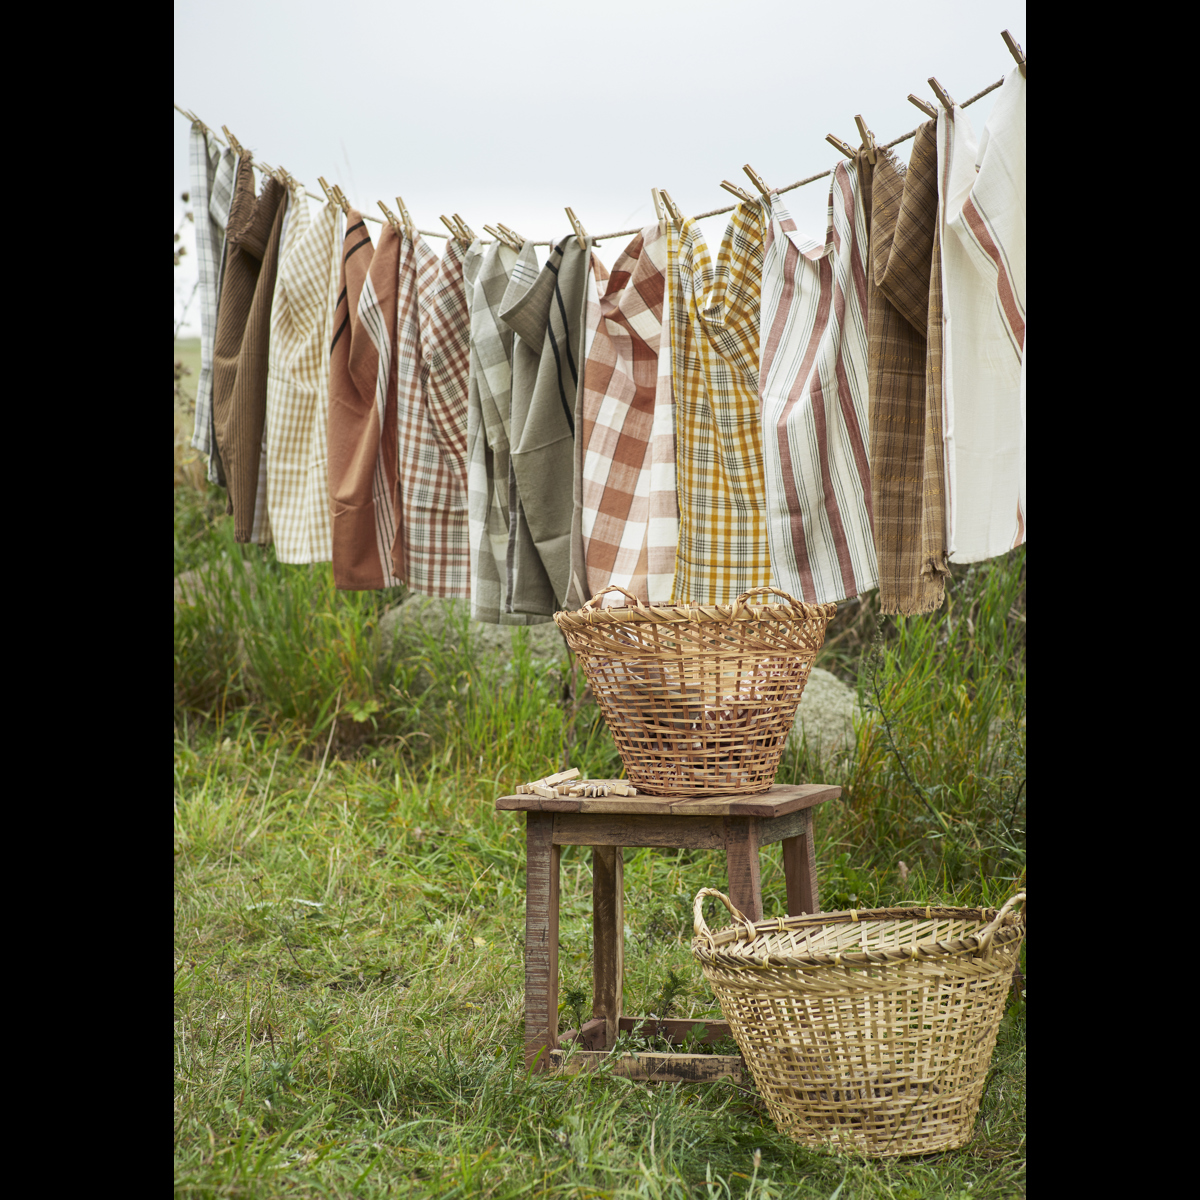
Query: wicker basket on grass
x=870 y=1030
x=699 y=699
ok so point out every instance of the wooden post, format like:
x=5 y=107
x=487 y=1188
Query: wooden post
x=541 y=940
x=800 y=870
x=741 y=858
x=608 y=938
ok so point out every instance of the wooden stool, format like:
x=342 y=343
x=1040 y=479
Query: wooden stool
x=737 y=824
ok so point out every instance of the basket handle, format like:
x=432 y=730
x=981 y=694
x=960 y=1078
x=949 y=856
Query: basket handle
x=759 y=590
x=701 y=929
x=985 y=938
x=590 y=606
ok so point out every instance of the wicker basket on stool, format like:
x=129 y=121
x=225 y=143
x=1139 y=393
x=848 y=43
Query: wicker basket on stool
x=872 y=1030
x=699 y=699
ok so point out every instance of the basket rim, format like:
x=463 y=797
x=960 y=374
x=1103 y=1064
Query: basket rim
x=659 y=612
x=737 y=945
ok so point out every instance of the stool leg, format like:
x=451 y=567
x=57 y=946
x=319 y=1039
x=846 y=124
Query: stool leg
x=541 y=939
x=800 y=870
x=608 y=938
x=741 y=860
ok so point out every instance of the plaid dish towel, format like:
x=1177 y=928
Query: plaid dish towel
x=723 y=549
x=298 y=384
x=432 y=548
x=625 y=456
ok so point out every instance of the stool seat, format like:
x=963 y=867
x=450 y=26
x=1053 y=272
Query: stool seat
x=739 y=825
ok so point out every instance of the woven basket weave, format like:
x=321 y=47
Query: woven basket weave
x=700 y=700
x=871 y=1030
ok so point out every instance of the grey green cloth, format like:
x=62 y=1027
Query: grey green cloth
x=547 y=312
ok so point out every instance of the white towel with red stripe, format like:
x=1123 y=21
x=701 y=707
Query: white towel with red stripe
x=981 y=210
x=813 y=386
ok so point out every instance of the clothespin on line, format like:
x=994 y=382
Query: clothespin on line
x=672 y=207
x=454 y=233
x=516 y=241
x=466 y=232
x=845 y=147
x=944 y=97
x=495 y=233
x=659 y=210
x=756 y=179
x=734 y=190
x=577 y=225
x=1014 y=48
x=340 y=197
x=405 y=219
x=923 y=105
x=868 y=138
x=234 y=144
x=391 y=218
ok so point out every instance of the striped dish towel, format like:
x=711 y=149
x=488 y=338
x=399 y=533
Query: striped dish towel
x=432 y=548
x=298 y=384
x=814 y=400
x=626 y=436
x=362 y=410
x=723 y=549
x=981 y=189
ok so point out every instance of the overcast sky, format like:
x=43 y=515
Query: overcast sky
x=510 y=111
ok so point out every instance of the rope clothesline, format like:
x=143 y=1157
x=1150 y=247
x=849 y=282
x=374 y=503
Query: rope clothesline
x=604 y=237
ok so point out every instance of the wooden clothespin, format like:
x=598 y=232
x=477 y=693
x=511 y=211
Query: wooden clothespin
x=454 y=233
x=329 y=196
x=577 y=225
x=340 y=197
x=391 y=218
x=405 y=219
x=868 y=138
x=234 y=144
x=756 y=179
x=495 y=233
x=845 y=147
x=672 y=207
x=465 y=231
x=923 y=105
x=659 y=211
x=734 y=190
x=944 y=97
x=1014 y=48
x=515 y=240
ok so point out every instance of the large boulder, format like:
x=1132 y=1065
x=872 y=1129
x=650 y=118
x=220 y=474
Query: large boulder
x=421 y=620
x=827 y=712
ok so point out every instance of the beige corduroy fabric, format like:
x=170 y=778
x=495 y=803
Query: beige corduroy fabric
x=298 y=384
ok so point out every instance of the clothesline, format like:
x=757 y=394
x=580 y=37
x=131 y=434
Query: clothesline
x=603 y=237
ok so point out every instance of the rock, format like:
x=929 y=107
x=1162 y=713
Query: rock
x=827 y=712
x=419 y=619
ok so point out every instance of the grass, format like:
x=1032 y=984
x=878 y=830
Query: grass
x=349 y=908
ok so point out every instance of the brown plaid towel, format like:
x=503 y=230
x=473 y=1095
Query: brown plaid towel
x=431 y=552
x=903 y=222
x=626 y=437
x=362 y=410
x=243 y=337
